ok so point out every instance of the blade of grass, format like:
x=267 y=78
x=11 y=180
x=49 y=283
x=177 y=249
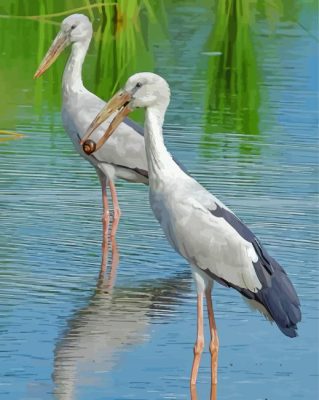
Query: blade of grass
x=10 y=135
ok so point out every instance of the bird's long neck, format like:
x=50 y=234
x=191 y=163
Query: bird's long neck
x=72 y=76
x=160 y=161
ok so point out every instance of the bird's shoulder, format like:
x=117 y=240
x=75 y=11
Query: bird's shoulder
x=213 y=214
x=192 y=193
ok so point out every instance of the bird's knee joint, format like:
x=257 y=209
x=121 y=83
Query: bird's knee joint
x=214 y=347
x=199 y=347
x=106 y=217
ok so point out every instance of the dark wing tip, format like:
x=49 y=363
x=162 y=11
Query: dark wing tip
x=281 y=300
x=290 y=331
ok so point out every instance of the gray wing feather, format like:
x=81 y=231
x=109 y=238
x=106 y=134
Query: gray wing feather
x=277 y=294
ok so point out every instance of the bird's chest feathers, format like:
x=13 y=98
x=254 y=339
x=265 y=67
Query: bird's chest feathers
x=167 y=207
x=160 y=190
x=79 y=109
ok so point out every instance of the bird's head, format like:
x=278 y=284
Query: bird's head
x=142 y=90
x=146 y=90
x=75 y=28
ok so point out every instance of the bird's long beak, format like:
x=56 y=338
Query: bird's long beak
x=119 y=103
x=58 y=45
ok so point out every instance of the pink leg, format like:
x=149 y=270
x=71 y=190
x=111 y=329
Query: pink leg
x=213 y=392
x=193 y=392
x=116 y=210
x=214 y=342
x=105 y=222
x=199 y=345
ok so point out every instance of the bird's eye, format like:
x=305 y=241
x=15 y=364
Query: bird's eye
x=73 y=27
x=138 y=85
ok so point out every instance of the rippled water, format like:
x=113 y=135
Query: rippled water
x=63 y=336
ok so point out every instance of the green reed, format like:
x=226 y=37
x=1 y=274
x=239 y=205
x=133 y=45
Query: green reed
x=232 y=97
x=9 y=135
x=234 y=77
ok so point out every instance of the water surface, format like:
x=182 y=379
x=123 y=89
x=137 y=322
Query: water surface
x=243 y=120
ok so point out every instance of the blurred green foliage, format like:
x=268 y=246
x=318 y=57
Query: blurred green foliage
x=125 y=33
x=232 y=97
x=234 y=78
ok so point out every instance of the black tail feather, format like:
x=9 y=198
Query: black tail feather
x=279 y=299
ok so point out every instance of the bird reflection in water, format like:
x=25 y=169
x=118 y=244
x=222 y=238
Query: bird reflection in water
x=112 y=321
x=108 y=283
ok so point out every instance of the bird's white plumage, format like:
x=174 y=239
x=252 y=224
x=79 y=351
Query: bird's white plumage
x=125 y=151
x=182 y=205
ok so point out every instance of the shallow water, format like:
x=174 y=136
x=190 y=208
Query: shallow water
x=248 y=134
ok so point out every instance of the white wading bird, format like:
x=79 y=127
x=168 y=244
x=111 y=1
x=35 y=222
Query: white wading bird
x=124 y=156
x=218 y=246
